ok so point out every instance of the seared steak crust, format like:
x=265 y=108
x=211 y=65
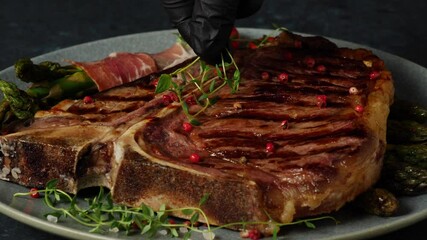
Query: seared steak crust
x=334 y=102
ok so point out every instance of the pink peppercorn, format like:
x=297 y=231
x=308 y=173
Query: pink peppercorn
x=374 y=75
x=87 y=100
x=321 y=101
x=359 y=108
x=269 y=147
x=194 y=158
x=283 y=77
x=187 y=127
x=265 y=76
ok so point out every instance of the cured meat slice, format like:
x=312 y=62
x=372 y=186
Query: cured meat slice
x=118 y=68
x=176 y=54
x=122 y=67
x=329 y=151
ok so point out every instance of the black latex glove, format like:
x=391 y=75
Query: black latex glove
x=206 y=24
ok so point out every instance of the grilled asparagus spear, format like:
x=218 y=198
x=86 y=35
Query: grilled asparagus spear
x=413 y=154
x=20 y=103
x=405 y=161
x=29 y=72
x=406 y=131
x=402 y=110
x=51 y=83
x=403 y=178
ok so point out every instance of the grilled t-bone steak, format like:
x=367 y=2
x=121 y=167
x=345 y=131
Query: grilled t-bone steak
x=304 y=134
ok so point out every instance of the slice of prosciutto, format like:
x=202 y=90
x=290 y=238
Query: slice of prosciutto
x=118 y=68
x=176 y=54
x=122 y=67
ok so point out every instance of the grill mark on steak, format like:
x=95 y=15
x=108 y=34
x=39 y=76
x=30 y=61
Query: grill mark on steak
x=105 y=107
x=294 y=93
x=263 y=110
x=252 y=129
x=285 y=149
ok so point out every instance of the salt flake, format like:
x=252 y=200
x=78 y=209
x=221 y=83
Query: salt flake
x=52 y=219
x=208 y=235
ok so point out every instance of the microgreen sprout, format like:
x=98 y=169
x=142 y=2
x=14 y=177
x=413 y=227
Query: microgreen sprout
x=274 y=33
x=101 y=215
x=206 y=84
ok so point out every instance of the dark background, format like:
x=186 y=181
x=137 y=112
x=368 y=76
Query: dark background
x=29 y=28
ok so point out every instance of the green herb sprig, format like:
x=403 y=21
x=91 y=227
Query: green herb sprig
x=206 y=84
x=101 y=215
x=277 y=29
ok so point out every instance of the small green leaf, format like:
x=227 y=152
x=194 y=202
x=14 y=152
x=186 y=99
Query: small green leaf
x=195 y=122
x=236 y=76
x=57 y=197
x=164 y=83
x=115 y=224
x=203 y=97
x=138 y=222
x=161 y=211
x=151 y=212
x=174 y=85
x=184 y=107
x=146 y=228
x=73 y=202
x=51 y=184
x=110 y=203
x=194 y=218
x=174 y=232
x=213 y=100
x=202 y=66
x=229 y=82
x=208 y=68
x=309 y=225
x=226 y=64
x=218 y=71
x=187 y=211
x=145 y=210
x=204 y=199
x=197 y=101
x=212 y=86
x=187 y=235
x=195 y=81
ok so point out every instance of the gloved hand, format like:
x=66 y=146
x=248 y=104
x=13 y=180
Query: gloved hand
x=206 y=24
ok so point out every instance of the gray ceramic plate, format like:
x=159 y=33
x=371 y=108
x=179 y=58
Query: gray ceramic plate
x=411 y=84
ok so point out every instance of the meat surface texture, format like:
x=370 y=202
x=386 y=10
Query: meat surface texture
x=304 y=135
